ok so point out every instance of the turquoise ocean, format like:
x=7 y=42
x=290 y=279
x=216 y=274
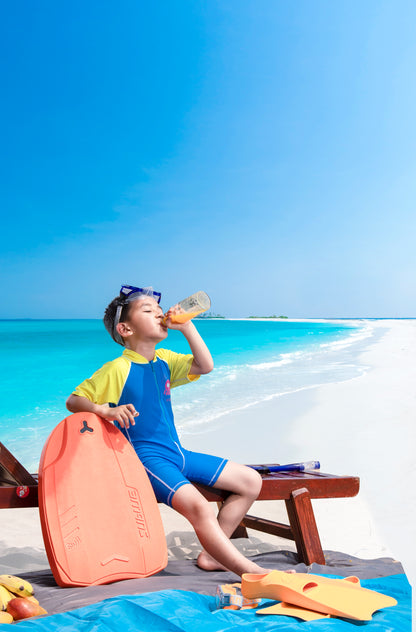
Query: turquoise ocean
x=42 y=361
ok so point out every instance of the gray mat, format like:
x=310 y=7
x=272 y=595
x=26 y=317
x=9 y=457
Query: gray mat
x=180 y=574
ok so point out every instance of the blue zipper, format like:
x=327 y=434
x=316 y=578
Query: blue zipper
x=164 y=413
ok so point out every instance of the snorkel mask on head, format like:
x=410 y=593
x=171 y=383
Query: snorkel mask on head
x=129 y=293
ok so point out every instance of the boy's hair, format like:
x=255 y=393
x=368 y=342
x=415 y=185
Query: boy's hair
x=110 y=315
x=118 y=310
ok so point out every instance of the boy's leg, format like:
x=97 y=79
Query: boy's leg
x=219 y=552
x=244 y=485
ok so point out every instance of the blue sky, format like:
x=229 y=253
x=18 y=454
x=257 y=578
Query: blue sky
x=262 y=151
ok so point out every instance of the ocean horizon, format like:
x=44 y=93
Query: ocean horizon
x=255 y=359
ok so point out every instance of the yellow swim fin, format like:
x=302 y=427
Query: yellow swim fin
x=289 y=610
x=338 y=597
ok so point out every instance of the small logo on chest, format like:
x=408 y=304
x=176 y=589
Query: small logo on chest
x=167 y=388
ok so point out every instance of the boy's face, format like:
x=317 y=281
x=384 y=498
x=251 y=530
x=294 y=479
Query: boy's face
x=145 y=320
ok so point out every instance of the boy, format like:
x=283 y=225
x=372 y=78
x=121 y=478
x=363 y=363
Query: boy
x=134 y=391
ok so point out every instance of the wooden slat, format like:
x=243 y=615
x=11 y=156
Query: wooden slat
x=10 y=497
x=280 y=485
x=12 y=469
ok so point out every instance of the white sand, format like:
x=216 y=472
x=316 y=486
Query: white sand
x=364 y=427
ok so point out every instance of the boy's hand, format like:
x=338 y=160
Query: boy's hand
x=171 y=324
x=123 y=414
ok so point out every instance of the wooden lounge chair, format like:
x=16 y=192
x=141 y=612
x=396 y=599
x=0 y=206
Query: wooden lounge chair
x=19 y=488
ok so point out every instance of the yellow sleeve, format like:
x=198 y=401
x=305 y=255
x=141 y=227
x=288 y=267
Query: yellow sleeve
x=105 y=385
x=179 y=365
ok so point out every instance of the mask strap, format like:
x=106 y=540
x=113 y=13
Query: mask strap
x=117 y=336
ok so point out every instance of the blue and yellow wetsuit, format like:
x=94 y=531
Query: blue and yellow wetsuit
x=131 y=379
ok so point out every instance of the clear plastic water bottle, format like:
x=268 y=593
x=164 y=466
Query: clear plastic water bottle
x=190 y=307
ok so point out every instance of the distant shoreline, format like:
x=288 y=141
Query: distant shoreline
x=324 y=319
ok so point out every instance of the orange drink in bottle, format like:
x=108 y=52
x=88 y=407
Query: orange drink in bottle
x=190 y=307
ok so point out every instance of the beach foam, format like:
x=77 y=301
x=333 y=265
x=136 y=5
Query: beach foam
x=235 y=387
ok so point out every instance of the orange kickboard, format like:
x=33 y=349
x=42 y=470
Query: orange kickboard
x=99 y=515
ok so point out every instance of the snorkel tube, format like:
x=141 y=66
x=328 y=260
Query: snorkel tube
x=304 y=466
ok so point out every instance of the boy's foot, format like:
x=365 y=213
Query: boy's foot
x=207 y=563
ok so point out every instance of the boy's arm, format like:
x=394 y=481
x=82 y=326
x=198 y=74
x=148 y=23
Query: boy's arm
x=124 y=414
x=202 y=362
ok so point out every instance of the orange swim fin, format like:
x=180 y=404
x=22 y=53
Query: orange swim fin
x=289 y=610
x=338 y=597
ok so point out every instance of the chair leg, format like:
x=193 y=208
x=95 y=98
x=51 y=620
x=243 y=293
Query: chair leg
x=303 y=524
